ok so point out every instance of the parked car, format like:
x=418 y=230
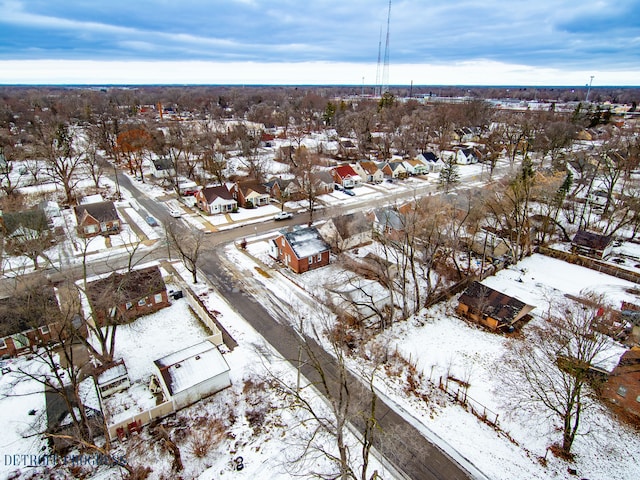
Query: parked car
x=349 y=192
x=151 y=221
x=283 y=216
x=175 y=213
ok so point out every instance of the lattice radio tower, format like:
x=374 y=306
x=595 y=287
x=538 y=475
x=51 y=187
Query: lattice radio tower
x=385 y=70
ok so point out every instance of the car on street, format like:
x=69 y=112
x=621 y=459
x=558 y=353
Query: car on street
x=283 y=216
x=151 y=221
x=175 y=213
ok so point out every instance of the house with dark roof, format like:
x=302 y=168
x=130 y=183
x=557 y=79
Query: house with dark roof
x=100 y=218
x=493 y=309
x=250 y=194
x=283 y=188
x=162 y=168
x=28 y=318
x=301 y=250
x=591 y=244
x=126 y=296
x=216 y=199
x=387 y=222
x=432 y=161
x=347 y=231
x=29 y=224
x=346 y=176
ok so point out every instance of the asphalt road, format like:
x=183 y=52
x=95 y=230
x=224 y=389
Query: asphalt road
x=400 y=442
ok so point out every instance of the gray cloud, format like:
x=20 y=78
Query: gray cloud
x=549 y=33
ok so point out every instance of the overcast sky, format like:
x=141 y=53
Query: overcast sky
x=490 y=42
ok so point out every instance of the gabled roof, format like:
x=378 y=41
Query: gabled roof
x=163 y=164
x=351 y=224
x=27 y=219
x=187 y=368
x=345 y=171
x=101 y=211
x=323 y=176
x=252 y=186
x=369 y=167
x=306 y=242
x=430 y=156
x=591 y=240
x=33 y=306
x=494 y=304
x=220 y=191
x=389 y=218
x=120 y=288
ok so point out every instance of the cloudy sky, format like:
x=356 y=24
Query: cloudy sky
x=431 y=42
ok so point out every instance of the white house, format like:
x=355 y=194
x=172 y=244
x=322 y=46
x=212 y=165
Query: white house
x=433 y=162
x=193 y=373
x=162 y=168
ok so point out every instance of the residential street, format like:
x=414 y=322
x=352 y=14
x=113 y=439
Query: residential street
x=402 y=444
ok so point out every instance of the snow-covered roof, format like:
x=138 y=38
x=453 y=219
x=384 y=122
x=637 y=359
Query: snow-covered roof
x=189 y=367
x=114 y=372
x=306 y=242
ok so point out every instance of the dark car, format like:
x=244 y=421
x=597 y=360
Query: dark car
x=151 y=221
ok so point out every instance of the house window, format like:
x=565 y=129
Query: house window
x=622 y=391
x=113 y=311
x=44 y=329
x=319 y=257
x=142 y=302
x=20 y=340
x=157 y=298
x=3 y=344
x=128 y=305
x=638 y=399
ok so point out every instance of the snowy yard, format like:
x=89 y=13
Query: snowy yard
x=437 y=342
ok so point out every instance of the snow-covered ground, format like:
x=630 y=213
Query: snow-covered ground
x=437 y=342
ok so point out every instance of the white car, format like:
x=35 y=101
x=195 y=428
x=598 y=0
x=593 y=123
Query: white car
x=175 y=213
x=283 y=216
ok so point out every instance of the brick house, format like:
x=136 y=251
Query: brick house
x=97 y=218
x=301 y=250
x=126 y=296
x=28 y=319
x=622 y=388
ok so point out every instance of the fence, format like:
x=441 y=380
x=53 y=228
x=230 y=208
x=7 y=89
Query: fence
x=126 y=427
x=592 y=263
x=459 y=394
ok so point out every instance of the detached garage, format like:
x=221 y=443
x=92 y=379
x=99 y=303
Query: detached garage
x=193 y=373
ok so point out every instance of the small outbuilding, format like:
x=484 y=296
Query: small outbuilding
x=591 y=244
x=193 y=373
x=493 y=309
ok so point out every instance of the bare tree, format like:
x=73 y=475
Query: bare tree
x=549 y=369
x=188 y=245
x=60 y=146
x=324 y=426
